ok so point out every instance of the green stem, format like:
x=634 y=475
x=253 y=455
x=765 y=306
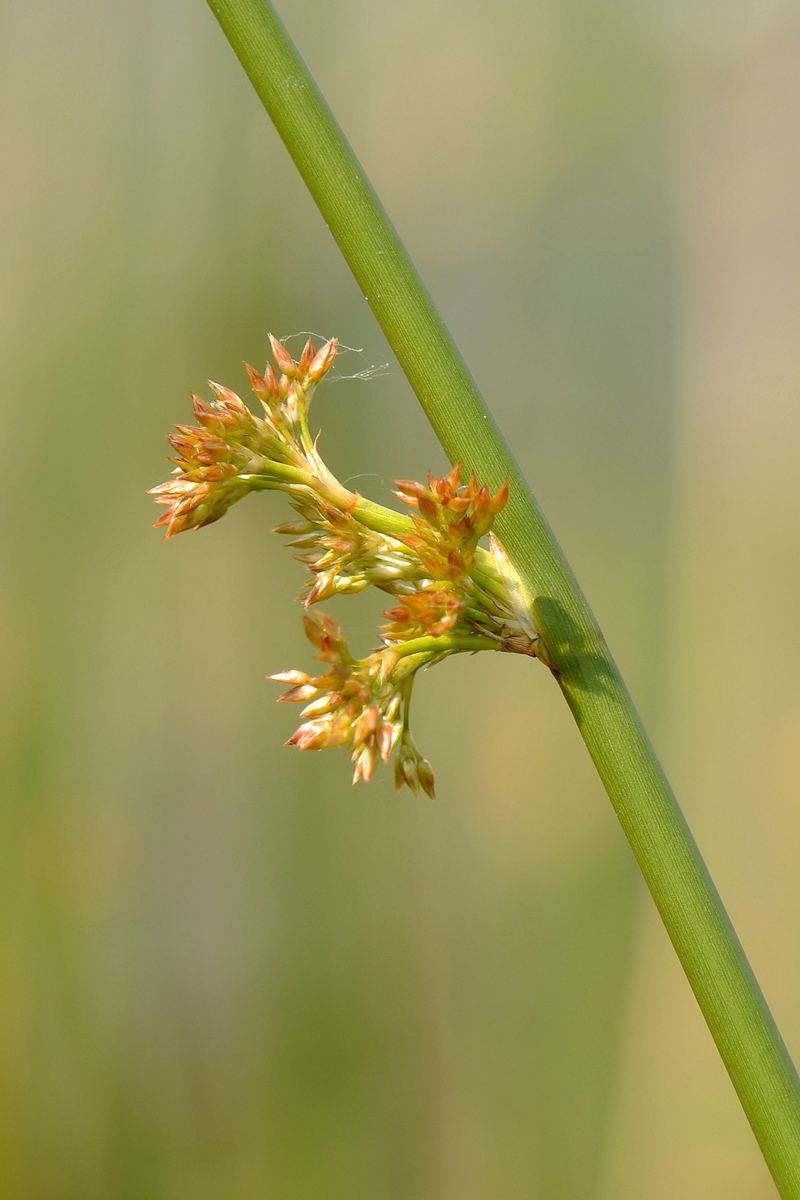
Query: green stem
x=380 y=519
x=684 y=893
x=445 y=643
x=279 y=475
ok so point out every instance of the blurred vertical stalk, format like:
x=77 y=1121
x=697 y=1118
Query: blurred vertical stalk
x=695 y=918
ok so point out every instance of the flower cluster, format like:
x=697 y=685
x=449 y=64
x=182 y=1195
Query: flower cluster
x=451 y=595
x=444 y=536
x=358 y=704
x=232 y=451
x=342 y=554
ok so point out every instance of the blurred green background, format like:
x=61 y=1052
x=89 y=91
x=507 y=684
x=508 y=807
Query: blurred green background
x=225 y=973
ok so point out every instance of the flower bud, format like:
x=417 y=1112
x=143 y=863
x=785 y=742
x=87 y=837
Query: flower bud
x=323 y=361
x=304 y=361
x=283 y=358
x=293 y=677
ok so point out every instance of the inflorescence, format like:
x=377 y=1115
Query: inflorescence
x=451 y=595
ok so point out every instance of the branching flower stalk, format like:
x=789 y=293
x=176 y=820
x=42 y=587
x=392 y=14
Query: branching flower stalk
x=451 y=593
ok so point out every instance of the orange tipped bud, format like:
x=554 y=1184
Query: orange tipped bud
x=409 y=490
x=294 y=677
x=425 y=777
x=366 y=724
x=304 y=362
x=324 y=586
x=500 y=498
x=365 y=765
x=389 y=659
x=323 y=360
x=322 y=706
x=283 y=358
x=306 y=691
x=428 y=508
x=271 y=380
x=326 y=634
x=226 y=395
x=315 y=735
x=387 y=736
x=204 y=412
x=260 y=386
x=294 y=528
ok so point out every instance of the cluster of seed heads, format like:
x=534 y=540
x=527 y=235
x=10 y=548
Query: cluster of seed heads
x=450 y=594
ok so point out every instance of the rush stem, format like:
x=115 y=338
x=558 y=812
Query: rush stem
x=704 y=939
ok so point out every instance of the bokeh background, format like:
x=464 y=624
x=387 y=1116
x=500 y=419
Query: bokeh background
x=225 y=973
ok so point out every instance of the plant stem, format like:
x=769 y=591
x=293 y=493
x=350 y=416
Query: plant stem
x=445 y=643
x=703 y=937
